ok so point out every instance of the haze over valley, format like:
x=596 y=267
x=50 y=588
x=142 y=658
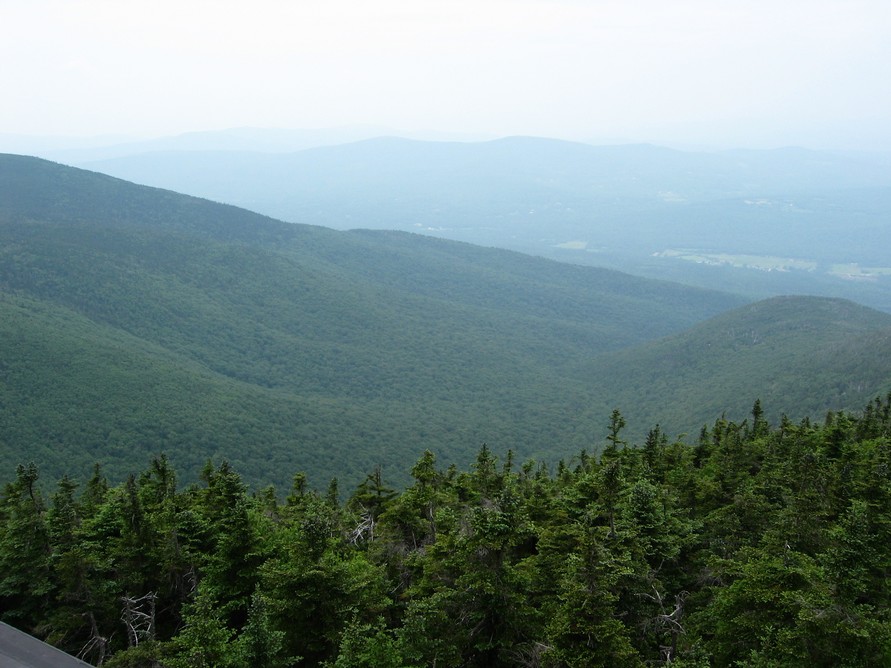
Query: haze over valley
x=815 y=221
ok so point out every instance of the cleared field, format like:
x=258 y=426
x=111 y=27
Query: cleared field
x=759 y=262
x=854 y=271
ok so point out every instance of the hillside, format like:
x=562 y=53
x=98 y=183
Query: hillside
x=802 y=356
x=760 y=223
x=137 y=320
x=752 y=545
x=315 y=349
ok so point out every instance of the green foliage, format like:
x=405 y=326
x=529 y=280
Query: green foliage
x=135 y=321
x=260 y=643
x=25 y=549
x=367 y=646
x=205 y=640
x=754 y=546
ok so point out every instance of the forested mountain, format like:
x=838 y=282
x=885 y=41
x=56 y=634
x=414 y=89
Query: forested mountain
x=137 y=321
x=761 y=223
x=784 y=346
x=752 y=545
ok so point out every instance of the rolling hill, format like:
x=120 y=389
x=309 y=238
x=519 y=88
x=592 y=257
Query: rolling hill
x=136 y=320
x=803 y=356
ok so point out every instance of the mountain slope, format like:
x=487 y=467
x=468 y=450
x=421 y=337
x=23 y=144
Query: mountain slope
x=382 y=342
x=74 y=392
x=136 y=320
x=802 y=356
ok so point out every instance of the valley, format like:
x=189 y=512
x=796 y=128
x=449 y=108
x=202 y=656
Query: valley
x=626 y=204
x=139 y=321
x=540 y=334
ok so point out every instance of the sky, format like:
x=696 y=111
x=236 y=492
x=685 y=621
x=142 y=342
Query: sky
x=749 y=73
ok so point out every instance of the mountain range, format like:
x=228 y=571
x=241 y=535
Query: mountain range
x=758 y=222
x=137 y=320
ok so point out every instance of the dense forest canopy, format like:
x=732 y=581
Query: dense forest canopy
x=751 y=545
x=135 y=320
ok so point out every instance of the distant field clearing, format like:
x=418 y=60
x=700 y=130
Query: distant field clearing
x=573 y=245
x=759 y=262
x=856 y=272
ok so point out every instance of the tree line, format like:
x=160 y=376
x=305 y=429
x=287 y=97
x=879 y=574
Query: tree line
x=751 y=545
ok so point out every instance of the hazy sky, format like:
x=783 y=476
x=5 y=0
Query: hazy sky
x=728 y=72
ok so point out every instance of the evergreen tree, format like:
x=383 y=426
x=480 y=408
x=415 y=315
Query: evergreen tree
x=26 y=584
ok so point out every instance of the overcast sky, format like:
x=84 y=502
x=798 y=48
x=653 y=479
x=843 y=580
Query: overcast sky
x=712 y=72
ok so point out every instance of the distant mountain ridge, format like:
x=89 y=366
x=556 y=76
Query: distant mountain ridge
x=639 y=171
x=136 y=320
x=75 y=150
x=621 y=206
